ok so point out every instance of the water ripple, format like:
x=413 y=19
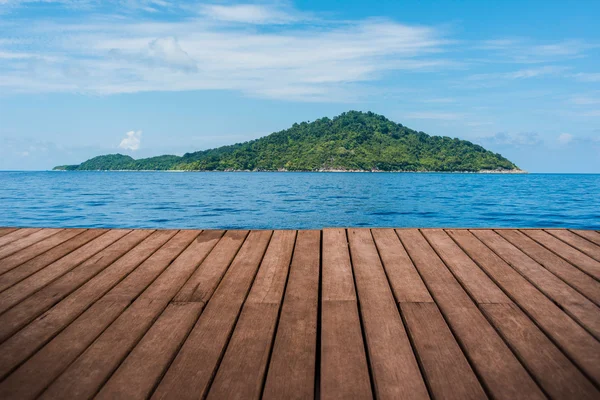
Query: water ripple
x=299 y=200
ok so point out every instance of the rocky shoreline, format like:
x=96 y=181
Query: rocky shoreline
x=507 y=171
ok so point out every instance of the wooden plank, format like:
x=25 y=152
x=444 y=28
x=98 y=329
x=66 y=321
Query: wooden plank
x=203 y=282
x=72 y=306
x=572 y=255
x=142 y=276
x=481 y=288
x=592 y=236
x=85 y=376
x=36 y=249
x=338 y=278
x=25 y=342
x=581 y=347
x=342 y=352
x=404 y=279
x=555 y=373
x=344 y=372
x=27 y=310
x=394 y=367
x=571 y=301
x=6 y=231
x=27 y=241
x=292 y=369
x=242 y=370
x=581 y=244
x=487 y=353
x=16 y=235
x=163 y=340
x=110 y=327
x=33 y=283
x=31 y=378
x=191 y=373
x=445 y=367
x=19 y=272
x=137 y=376
x=578 y=279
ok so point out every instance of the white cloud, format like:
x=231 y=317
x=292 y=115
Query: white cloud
x=132 y=141
x=167 y=50
x=265 y=50
x=439 y=100
x=524 y=51
x=587 y=77
x=535 y=72
x=523 y=139
x=478 y=123
x=561 y=49
x=565 y=138
x=583 y=100
x=247 y=13
x=527 y=73
x=15 y=55
x=148 y=5
x=118 y=54
x=448 y=116
x=498 y=44
x=590 y=113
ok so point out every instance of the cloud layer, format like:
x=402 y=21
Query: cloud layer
x=260 y=50
x=264 y=50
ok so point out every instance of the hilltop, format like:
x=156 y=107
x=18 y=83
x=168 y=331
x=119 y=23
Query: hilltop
x=352 y=141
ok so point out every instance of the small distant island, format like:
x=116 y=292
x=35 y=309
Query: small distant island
x=353 y=141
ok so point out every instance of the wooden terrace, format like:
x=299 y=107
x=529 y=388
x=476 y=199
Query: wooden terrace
x=331 y=314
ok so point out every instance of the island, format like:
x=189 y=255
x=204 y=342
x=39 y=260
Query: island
x=352 y=141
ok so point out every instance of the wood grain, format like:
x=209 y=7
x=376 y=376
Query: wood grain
x=490 y=357
x=333 y=314
x=344 y=371
x=192 y=371
x=292 y=369
x=393 y=364
x=581 y=346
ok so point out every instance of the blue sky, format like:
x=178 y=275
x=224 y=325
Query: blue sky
x=149 y=77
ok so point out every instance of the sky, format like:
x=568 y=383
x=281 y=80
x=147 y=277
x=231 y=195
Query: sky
x=149 y=77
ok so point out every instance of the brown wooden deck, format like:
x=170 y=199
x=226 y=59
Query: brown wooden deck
x=357 y=313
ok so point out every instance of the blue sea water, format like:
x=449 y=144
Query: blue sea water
x=297 y=200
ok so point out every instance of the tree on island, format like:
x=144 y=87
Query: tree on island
x=352 y=141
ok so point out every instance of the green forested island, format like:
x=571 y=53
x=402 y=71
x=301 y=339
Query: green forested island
x=352 y=141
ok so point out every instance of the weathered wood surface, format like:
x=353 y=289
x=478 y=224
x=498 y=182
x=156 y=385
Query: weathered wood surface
x=333 y=314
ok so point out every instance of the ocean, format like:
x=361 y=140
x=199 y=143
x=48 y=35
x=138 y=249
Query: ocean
x=297 y=200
